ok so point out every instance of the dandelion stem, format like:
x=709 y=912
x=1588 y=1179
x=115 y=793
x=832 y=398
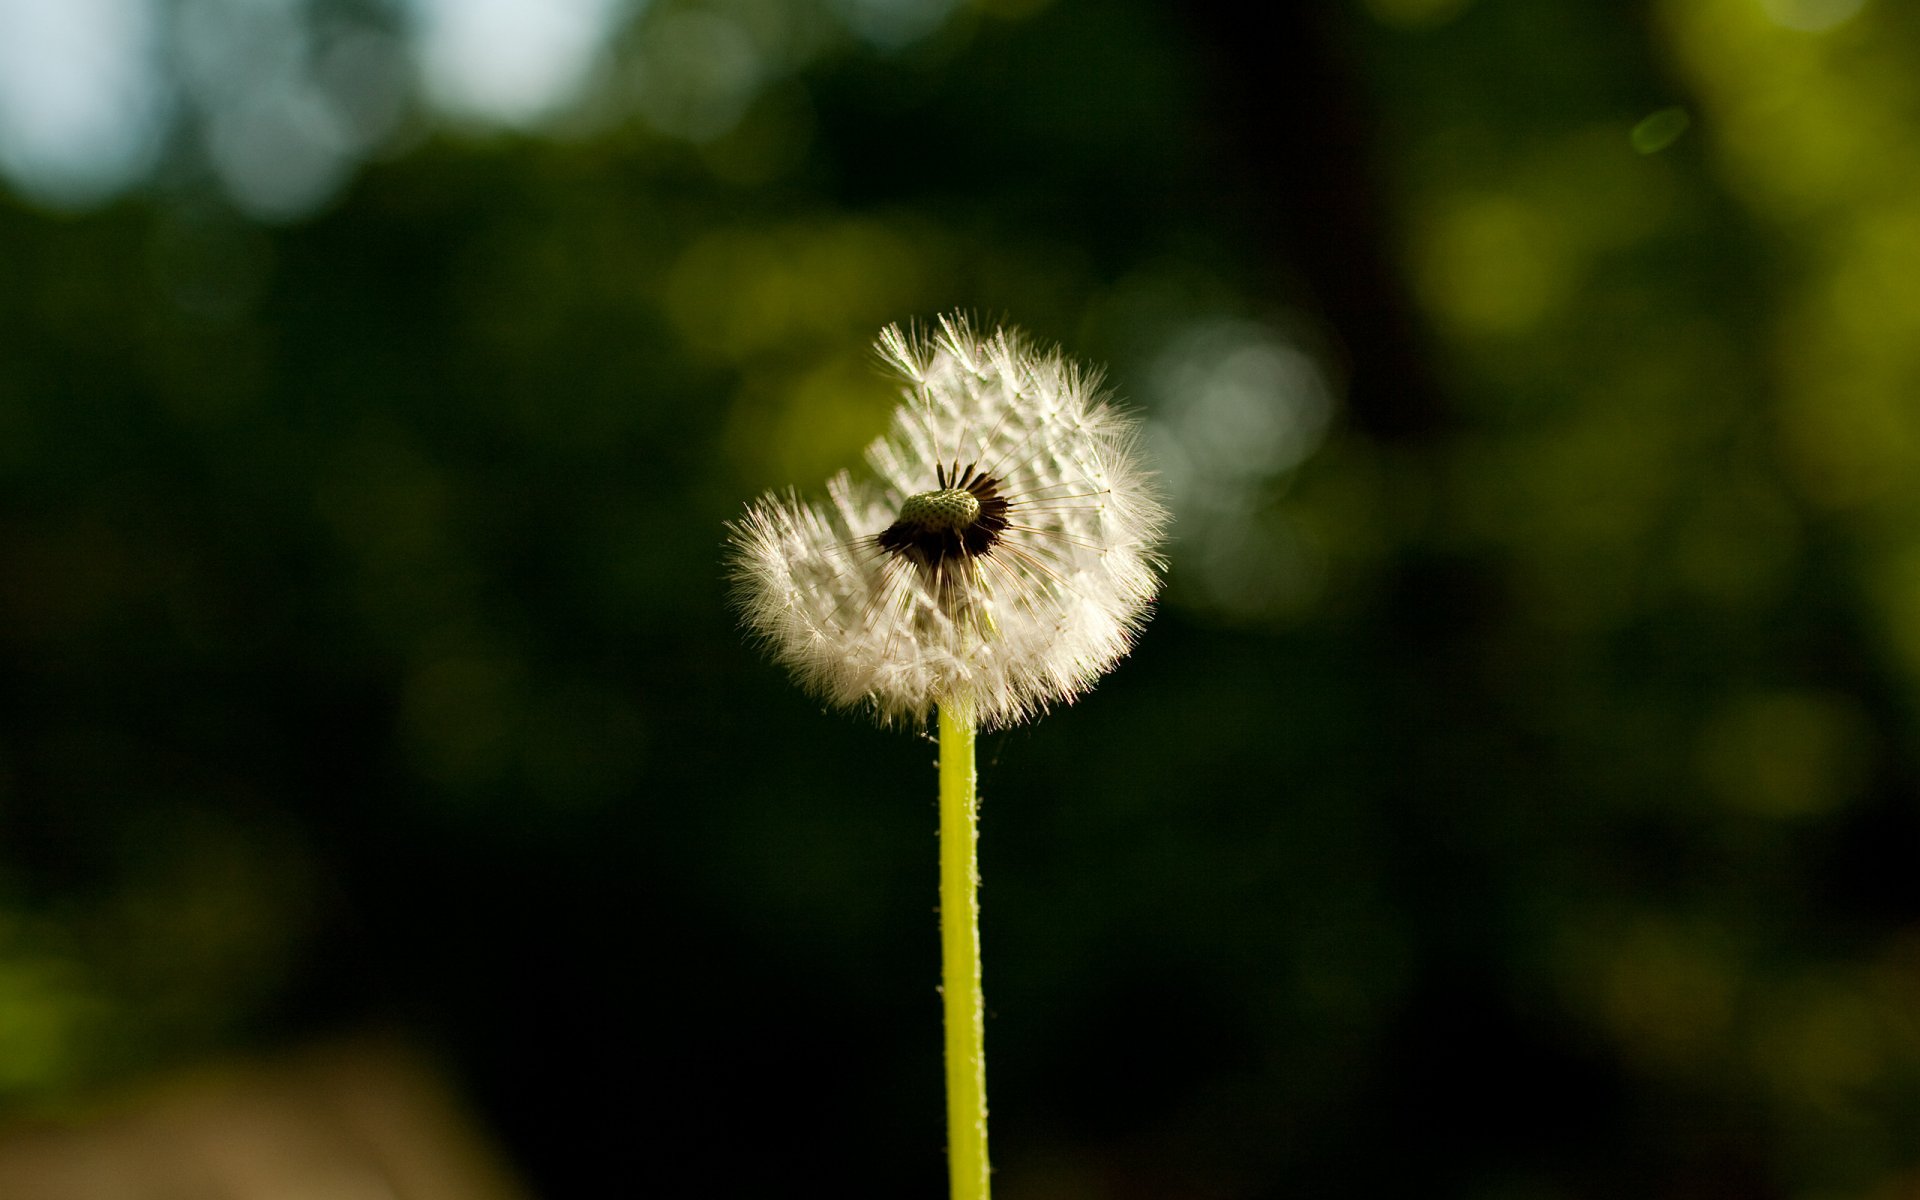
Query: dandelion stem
x=962 y=999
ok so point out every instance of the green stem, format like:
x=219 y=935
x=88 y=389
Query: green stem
x=962 y=999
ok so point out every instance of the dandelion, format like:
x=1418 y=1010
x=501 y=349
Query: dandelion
x=1006 y=551
x=999 y=560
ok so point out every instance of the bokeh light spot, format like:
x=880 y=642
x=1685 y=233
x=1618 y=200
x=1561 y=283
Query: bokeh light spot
x=1492 y=264
x=892 y=24
x=1658 y=130
x=510 y=61
x=1668 y=991
x=1238 y=405
x=1812 y=16
x=1785 y=753
x=698 y=73
x=281 y=156
x=82 y=104
x=806 y=425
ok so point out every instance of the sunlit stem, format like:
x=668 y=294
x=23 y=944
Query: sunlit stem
x=962 y=999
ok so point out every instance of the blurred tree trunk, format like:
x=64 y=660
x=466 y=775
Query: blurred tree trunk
x=1287 y=95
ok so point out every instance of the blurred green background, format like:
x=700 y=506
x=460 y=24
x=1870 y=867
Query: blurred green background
x=1516 y=795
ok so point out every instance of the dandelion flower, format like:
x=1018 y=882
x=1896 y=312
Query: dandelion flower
x=1000 y=559
x=1003 y=553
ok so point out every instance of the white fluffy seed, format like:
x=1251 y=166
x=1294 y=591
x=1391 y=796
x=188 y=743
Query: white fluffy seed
x=1032 y=620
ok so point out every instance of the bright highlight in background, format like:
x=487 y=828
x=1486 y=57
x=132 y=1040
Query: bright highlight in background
x=510 y=61
x=1812 y=16
x=81 y=100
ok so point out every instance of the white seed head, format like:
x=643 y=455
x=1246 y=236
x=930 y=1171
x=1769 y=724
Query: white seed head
x=1003 y=554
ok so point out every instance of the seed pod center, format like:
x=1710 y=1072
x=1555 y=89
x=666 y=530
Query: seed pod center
x=948 y=509
x=963 y=517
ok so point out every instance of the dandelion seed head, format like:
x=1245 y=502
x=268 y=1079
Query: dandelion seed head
x=1003 y=549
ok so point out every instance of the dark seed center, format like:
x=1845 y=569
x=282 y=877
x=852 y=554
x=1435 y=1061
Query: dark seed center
x=963 y=517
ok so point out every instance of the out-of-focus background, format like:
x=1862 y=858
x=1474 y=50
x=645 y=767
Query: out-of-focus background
x=1516 y=794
